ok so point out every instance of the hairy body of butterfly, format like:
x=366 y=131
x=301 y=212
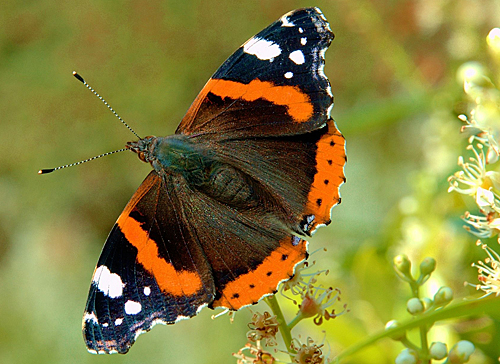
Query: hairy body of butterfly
x=176 y=154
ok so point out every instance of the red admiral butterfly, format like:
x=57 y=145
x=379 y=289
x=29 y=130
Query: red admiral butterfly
x=253 y=168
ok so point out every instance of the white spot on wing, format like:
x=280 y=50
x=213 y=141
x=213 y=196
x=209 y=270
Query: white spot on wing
x=297 y=57
x=289 y=75
x=301 y=30
x=285 y=22
x=132 y=307
x=118 y=321
x=303 y=41
x=262 y=49
x=108 y=283
x=90 y=316
x=147 y=291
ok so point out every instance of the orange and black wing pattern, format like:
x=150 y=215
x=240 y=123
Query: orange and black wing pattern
x=227 y=224
x=149 y=272
x=273 y=85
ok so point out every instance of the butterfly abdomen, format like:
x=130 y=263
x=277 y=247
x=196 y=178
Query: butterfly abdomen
x=228 y=185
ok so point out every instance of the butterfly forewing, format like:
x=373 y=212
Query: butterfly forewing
x=273 y=85
x=151 y=270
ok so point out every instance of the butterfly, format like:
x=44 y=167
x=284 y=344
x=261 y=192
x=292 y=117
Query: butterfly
x=253 y=169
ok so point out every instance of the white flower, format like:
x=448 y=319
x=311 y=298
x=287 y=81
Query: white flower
x=473 y=174
x=489 y=271
x=483 y=226
x=487 y=201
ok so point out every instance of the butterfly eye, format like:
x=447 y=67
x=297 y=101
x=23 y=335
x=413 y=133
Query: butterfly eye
x=141 y=156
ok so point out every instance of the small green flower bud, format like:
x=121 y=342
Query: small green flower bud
x=403 y=265
x=493 y=40
x=414 y=306
x=461 y=352
x=443 y=296
x=438 y=350
x=407 y=356
x=427 y=303
x=392 y=325
x=427 y=266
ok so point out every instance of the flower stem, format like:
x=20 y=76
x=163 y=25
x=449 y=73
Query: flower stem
x=283 y=327
x=424 y=343
x=295 y=321
x=415 y=289
x=409 y=344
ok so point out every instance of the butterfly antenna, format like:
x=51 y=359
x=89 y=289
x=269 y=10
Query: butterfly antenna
x=50 y=170
x=80 y=78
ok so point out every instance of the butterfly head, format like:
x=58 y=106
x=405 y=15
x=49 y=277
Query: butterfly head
x=144 y=148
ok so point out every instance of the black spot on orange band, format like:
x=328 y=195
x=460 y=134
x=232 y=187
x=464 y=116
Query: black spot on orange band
x=265 y=277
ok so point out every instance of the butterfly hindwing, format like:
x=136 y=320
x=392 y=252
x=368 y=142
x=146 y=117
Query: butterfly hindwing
x=249 y=250
x=302 y=173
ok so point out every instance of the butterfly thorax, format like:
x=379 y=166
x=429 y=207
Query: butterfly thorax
x=178 y=155
x=173 y=154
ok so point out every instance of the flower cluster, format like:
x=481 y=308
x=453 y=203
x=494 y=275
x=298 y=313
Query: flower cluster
x=313 y=301
x=477 y=181
x=478 y=177
x=308 y=352
x=302 y=280
x=459 y=353
x=253 y=354
x=419 y=306
x=263 y=327
x=489 y=271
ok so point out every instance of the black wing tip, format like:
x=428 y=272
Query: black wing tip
x=318 y=19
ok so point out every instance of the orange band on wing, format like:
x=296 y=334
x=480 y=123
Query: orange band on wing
x=250 y=287
x=177 y=283
x=297 y=102
x=330 y=160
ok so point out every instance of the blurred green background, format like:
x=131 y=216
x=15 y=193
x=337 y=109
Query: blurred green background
x=393 y=69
